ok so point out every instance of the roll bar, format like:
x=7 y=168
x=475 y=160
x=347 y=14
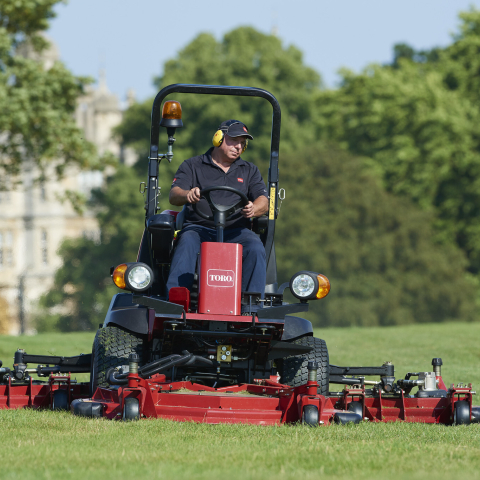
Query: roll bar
x=154 y=160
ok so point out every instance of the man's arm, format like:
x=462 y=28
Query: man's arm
x=257 y=208
x=179 y=197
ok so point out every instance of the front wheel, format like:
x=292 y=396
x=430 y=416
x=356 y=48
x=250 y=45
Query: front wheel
x=131 y=409
x=461 y=413
x=111 y=348
x=294 y=370
x=310 y=415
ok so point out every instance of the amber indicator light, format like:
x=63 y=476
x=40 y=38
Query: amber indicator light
x=119 y=276
x=172 y=110
x=323 y=286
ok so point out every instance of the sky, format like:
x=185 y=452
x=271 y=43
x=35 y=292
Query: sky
x=132 y=40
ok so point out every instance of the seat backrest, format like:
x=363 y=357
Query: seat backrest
x=180 y=218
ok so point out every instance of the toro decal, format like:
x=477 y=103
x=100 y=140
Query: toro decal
x=220 y=278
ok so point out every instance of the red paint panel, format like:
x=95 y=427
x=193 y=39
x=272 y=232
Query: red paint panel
x=220 y=287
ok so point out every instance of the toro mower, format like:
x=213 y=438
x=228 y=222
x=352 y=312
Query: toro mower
x=215 y=353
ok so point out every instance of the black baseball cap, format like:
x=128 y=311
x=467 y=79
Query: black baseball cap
x=234 y=128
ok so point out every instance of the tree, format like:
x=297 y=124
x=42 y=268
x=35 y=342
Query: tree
x=37 y=101
x=418 y=122
x=244 y=57
x=375 y=248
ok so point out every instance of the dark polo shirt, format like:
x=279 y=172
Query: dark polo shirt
x=201 y=172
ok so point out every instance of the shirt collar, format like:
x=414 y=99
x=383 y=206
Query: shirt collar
x=207 y=158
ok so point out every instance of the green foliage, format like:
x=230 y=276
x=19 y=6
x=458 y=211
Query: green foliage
x=418 y=122
x=82 y=284
x=244 y=57
x=375 y=248
x=36 y=101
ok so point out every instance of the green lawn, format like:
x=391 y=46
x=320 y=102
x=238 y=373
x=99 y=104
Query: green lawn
x=49 y=445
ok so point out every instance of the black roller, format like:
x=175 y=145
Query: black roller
x=342 y=418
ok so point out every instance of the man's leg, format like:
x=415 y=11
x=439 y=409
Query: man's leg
x=185 y=257
x=254 y=266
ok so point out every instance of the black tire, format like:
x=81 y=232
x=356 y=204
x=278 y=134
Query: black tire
x=60 y=400
x=293 y=370
x=111 y=348
x=461 y=415
x=131 y=409
x=310 y=415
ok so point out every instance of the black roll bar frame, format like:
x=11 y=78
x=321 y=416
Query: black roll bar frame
x=154 y=159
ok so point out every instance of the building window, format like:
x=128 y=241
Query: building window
x=44 y=247
x=6 y=249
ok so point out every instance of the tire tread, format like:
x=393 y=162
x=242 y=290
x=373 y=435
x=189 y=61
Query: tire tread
x=294 y=369
x=111 y=348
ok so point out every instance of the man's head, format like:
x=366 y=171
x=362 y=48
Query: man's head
x=230 y=135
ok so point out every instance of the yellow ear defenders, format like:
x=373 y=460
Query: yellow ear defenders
x=219 y=135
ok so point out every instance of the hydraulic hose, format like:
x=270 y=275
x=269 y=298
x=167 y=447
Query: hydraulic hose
x=187 y=359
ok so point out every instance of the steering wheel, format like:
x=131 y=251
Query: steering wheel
x=221 y=213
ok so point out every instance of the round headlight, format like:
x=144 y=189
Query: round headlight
x=139 y=277
x=303 y=285
x=136 y=277
x=307 y=285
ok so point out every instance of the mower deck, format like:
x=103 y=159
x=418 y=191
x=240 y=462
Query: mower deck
x=266 y=402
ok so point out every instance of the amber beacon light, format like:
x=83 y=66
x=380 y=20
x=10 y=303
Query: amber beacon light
x=171 y=114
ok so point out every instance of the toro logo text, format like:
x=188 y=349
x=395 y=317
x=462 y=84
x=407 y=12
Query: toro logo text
x=220 y=278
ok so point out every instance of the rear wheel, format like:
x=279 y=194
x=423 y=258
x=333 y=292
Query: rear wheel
x=294 y=372
x=111 y=348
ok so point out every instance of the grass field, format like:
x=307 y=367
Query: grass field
x=49 y=445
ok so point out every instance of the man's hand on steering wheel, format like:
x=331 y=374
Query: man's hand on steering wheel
x=193 y=195
x=248 y=211
x=225 y=211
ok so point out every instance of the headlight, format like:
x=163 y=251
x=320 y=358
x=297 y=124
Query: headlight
x=309 y=286
x=136 y=277
x=139 y=277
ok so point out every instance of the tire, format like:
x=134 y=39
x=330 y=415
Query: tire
x=60 y=400
x=310 y=415
x=461 y=413
x=293 y=370
x=111 y=348
x=131 y=409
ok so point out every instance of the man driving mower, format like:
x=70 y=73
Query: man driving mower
x=221 y=165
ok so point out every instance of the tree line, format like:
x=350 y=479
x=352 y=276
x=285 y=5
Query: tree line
x=380 y=176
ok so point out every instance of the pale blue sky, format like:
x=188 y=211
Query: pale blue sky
x=133 y=39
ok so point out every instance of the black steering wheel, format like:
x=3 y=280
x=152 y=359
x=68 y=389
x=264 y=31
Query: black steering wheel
x=221 y=212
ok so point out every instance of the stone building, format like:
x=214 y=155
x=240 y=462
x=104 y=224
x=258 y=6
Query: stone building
x=34 y=222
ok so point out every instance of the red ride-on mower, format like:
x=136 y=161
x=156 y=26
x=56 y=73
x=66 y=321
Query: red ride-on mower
x=214 y=353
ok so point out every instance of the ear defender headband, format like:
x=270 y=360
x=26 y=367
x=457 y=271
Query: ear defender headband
x=219 y=135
